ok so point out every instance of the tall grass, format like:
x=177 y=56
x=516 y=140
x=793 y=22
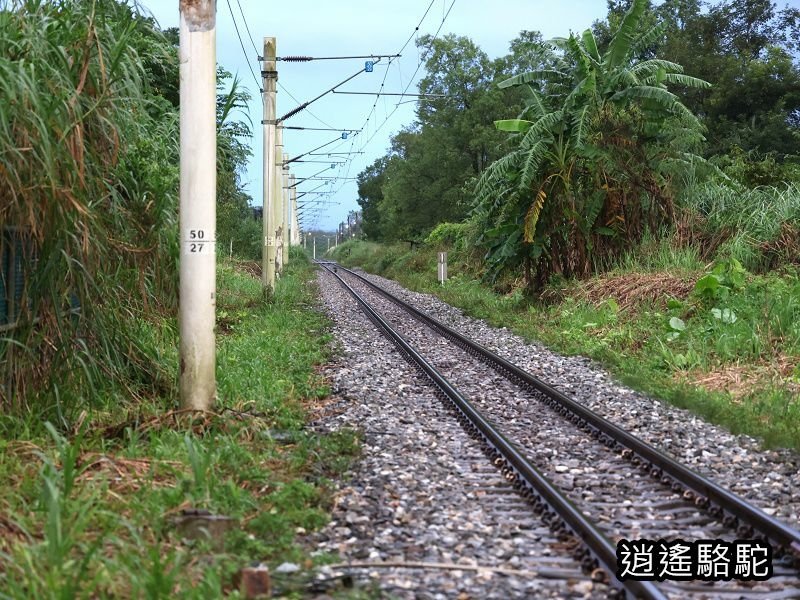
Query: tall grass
x=759 y=227
x=87 y=172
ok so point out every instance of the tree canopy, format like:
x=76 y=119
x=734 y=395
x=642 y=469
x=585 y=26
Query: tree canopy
x=595 y=134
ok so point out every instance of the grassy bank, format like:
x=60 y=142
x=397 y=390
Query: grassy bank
x=711 y=337
x=99 y=511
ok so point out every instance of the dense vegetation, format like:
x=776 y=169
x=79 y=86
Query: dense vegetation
x=96 y=511
x=621 y=132
x=88 y=192
x=97 y=463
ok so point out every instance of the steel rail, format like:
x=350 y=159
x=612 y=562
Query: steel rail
x=720 y=502
x=515 y=466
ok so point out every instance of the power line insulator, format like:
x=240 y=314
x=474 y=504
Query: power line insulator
x=296 y=58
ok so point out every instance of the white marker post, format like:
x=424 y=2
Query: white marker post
x=270 y=79
x=442 y=267
x=198 y=202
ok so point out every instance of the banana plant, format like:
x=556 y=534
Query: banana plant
x=585 y=178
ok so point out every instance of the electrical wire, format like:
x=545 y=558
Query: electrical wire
x=280 y=85
x=241 y=43
x=385 y=75
x=355 y=137
x=410 y=81
x=247 y=27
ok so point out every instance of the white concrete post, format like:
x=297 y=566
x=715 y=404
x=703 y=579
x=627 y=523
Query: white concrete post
x=198 y=202
x=270 y=78
x=284 y=208
x=278 y=196
x=295 y=239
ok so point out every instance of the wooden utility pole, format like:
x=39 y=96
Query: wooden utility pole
x=270 y=79
x=198 y=202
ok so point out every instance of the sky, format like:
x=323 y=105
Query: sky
x=322 y=28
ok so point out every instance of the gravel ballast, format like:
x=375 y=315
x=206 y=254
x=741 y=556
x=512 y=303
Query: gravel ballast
x=770 y=479
x=423 y=490
x=420 y=495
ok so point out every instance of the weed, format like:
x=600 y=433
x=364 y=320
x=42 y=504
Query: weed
x=84 y=533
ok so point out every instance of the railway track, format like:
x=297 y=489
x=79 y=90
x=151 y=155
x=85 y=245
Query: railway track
x=628 y=489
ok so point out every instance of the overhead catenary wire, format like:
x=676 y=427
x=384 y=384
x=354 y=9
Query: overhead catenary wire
x=391 y=94
x=293 y=97
x=310 y=58
x=410 y=81
x=355 y=141
x=303 y=106
x=291 y=160
x=383 y=81
x=247 y=27
x=241 y=43
x=343 y=129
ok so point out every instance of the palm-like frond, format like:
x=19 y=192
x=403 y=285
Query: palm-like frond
x=542 y=128
x=581 y=58
x=580 y=126
x=531 y=164
x=648 y=67
x=535 y=103
x=496 y=177
x=513 y=125
x=532 y=216
x=659 y=95
x=648 y=38
x=538 y=76
x=621 y=45
x=680 y=79
x=590 y=45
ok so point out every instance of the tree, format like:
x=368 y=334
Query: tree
x=747 y=50
x=235 y=221
x=420 y=183
x=370 y=196
x=588 y=174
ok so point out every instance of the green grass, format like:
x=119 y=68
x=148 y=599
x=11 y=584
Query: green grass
x=749 y=325
x=93 y=513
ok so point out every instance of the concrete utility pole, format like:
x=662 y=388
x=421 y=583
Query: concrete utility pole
x=278 y=196
x=270 y=79
x=294 y=238
x=284 y=208
x=315 y=247
x=198 y=202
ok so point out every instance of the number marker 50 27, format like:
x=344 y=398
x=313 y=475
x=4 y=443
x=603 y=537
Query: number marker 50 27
x=197 y=240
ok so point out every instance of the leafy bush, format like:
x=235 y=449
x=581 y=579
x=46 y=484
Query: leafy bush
x=590 y=170
x=753 y=170
x=452 y=235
